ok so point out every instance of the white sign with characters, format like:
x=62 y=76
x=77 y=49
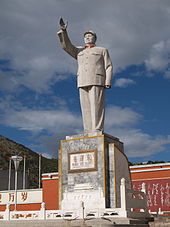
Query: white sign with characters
x=24 y=196
x=85 y=160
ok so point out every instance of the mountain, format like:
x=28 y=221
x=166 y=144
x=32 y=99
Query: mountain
x=9 y=148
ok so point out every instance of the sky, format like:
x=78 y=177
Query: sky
x=39 y=99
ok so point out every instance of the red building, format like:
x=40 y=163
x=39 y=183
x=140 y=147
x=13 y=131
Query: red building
x=157 y=180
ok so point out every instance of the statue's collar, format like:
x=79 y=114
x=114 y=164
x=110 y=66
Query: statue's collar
x=90 y=46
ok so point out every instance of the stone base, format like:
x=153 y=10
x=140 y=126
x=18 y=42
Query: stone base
x=91 y=169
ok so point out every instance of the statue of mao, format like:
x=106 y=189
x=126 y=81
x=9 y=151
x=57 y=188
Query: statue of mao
x=93 y=76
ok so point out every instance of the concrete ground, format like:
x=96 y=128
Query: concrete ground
x=158 y=222
x=66 y=223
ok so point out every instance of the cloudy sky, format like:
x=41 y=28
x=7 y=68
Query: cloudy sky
x=39 y=100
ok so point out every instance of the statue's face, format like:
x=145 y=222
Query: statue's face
x=89 y=39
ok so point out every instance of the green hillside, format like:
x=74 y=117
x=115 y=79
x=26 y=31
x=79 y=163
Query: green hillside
x=9 y=148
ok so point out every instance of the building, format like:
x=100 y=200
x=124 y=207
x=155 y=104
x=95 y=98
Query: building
x=157 y=180
x=155 y=176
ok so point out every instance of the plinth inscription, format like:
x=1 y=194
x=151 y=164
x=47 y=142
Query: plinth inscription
x=82 y=161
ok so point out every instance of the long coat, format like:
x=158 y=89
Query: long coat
x=94 y=64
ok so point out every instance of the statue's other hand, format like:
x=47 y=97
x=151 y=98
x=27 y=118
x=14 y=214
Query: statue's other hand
x=107 y=86
x=63 y=26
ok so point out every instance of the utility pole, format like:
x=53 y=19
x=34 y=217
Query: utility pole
x=9 y=175
x=39 y=170
x=17 y=159
x=24 y=172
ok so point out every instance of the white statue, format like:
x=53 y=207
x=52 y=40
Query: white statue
x=93 y=76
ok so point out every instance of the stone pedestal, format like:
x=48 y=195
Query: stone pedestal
x=91 y=168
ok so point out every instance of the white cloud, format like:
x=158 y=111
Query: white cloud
x=123 y=82
x=37 y=121
x=140 y=144
x=129 y=29
x=122 y=122
x=8 y=81
x=49 y=126
x=159 y=57
x=46 y=125
x=167 y=74
x=53 y=118
x=121 y=117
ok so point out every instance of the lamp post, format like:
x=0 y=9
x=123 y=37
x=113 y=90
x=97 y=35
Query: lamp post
x=17 y=159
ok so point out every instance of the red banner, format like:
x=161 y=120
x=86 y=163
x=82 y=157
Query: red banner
x=158 y=193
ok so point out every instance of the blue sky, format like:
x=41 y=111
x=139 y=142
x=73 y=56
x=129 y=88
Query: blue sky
x=39 y=100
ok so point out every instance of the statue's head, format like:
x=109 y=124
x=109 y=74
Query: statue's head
x=90 y=37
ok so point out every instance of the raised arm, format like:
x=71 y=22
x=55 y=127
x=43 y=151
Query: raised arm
x=65 y=41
